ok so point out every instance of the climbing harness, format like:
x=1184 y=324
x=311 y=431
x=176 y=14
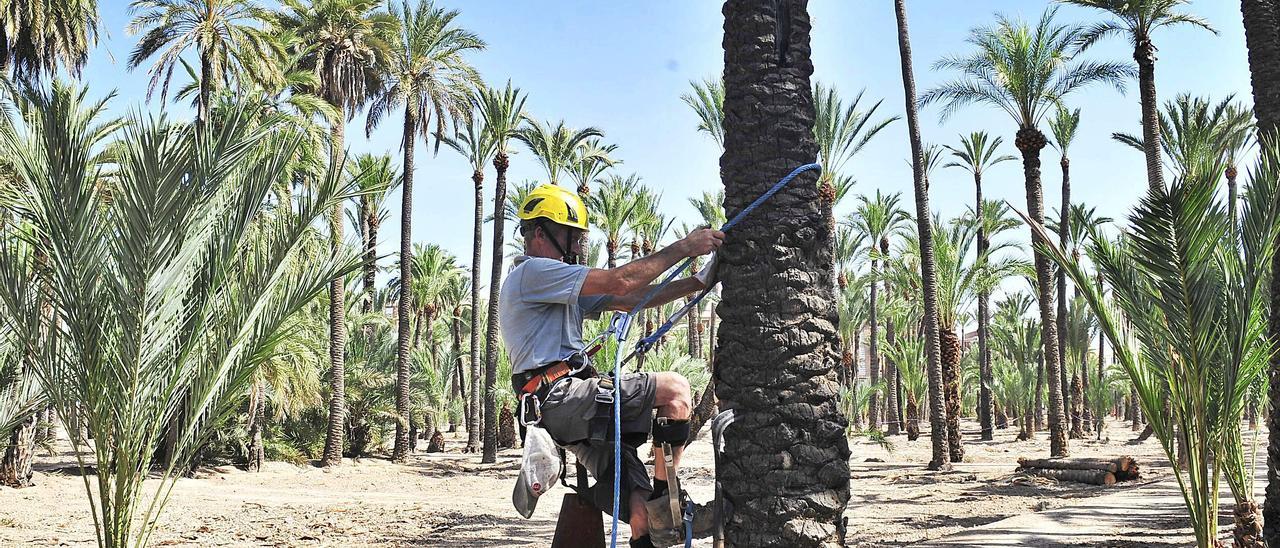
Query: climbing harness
x=619 y=327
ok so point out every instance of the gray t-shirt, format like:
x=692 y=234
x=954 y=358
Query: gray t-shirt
x=540 y=311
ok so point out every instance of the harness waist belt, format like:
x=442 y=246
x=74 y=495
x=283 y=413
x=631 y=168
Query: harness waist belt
x=548 y=375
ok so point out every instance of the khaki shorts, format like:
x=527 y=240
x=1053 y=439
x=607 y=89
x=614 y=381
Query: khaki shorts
x=566 y=414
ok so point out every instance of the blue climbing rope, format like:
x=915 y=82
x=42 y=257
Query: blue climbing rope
x=621 y=325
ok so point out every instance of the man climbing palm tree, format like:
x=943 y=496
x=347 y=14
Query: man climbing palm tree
x=541 y=308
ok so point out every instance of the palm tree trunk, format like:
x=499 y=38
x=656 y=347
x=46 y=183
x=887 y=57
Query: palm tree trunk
x=985 y=405
x=337 y=331
x=784 y=385
x=370 y=223
x=1030 y=141
x=691 y=336
x=257 y=421
x=949 y=350
x=1039 y=398
x=611 y=250
x=1262 y=36
x=477 y=240
x=459 y=390
x=1061 y=278
x=19 y=455
x=1144 y=52
x=895 y=379
x=489 y=450
x=937 y=415
x=206 y=85
x=873 y=361
x=404 y=305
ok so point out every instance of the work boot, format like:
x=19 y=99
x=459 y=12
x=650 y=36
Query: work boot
x=665 y=532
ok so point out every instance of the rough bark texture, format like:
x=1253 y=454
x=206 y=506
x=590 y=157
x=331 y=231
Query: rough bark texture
x=1262 y=36
x=257 y=420
x=1093 y=477
x=985 y=406
x=369 y=220
x=337 y=336
x=894 y=408
x=506 y=429
x=785 y=467
x=1030 y=141
x=1077 y=409
x=1039 y=397
x=1247 y=532
x=913 y=419
x=489 y=452
x=937 y=416
x=873 y=361
x=15 y=466
x=477 y=239
x=404 y=305
x=1144 y=52
x=950 y=349
x=1064 y=223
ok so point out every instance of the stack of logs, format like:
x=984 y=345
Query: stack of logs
x=1091 y=471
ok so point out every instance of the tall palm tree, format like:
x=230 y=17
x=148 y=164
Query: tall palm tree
x=1237 y=137
x=477 y=145
x=343 y=42
x=1063 y=126
x=1262 y=37
x=556 y=146
x=978 y=152
x=502 y=111
x=610 y=208
x=767 y=62
x=223 y=32
x=427 y=74
x=1138 y=19
x=937 y=415
x=591 y=158
x=1193 y=132
x=39 y=36
x=379 y=176
x=707 y=101
x=876 y=219
x=841 y=132
x=1024 y=71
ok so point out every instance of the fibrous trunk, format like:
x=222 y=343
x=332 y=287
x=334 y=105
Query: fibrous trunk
x=1144 y=52
x=985 y=380
x=404 y=305
x=785 y=464
x=950 y=347
x=1262 y=36
x=19 y=455
x=1030 y=141
x=894 y=380
x=489 y=452
x=474 y=414
x=924 y=231
x=337 y=333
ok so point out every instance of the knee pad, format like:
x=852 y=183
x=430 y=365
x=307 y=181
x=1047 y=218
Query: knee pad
x=675 y=432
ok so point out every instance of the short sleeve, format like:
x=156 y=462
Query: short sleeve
x=592 y=306
x=550 y=281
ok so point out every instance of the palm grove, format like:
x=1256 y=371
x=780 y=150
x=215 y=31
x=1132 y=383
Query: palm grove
x=179 y=292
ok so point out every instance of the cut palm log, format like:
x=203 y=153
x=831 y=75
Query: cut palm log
x=1115 y=466
x=1092 y=477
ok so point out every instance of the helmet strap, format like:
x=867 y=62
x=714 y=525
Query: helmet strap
x=565 y=256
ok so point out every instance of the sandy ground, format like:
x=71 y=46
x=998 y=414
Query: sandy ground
x=451 y=500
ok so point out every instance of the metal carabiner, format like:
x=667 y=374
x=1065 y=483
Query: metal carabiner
x=525 y=409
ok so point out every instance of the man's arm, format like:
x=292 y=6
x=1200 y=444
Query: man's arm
x=673 y=291
x=638 y=274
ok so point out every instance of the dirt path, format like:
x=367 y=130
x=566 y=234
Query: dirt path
x=451 y=500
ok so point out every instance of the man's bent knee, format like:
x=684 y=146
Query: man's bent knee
x=674 y=398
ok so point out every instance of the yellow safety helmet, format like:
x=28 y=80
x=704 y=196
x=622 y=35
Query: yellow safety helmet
x=555 y=204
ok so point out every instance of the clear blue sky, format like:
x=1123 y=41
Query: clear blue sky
x=621 y=67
